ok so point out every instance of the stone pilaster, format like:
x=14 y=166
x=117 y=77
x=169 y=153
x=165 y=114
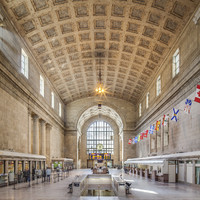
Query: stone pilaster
x=43 y=137
x=48 y=144
x=16 y=166
x=35 y=134
x=193 y=172
x=185 y=171
x=29 y=130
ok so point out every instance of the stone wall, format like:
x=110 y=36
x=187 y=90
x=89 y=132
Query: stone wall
x=74 y=110
x=184 y=134
x=21 y=100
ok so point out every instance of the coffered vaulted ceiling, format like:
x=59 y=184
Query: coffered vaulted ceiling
x=133 y=36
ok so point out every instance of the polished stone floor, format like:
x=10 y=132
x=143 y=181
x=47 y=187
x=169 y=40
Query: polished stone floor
x=141 y=189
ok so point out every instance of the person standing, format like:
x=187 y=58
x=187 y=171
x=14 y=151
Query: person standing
x=43 y=175
x=48 y=173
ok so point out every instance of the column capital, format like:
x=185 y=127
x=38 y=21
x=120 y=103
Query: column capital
x=30 y=112
x=35 y=116
x=49 y=126
x=42 y=121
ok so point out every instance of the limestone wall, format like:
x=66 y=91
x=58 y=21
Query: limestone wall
x=183 y=135
x=20 y=100
x=74 y=110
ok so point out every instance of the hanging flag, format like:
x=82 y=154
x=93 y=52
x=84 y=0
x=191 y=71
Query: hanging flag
x=129 y=141
x=157 y=126
x=133 y=141
x=188 y=104
x=136 y=139
x=145 y=133
x=197 y=96
x=151 y=129
x=141 y=136
x=166 y=120
x=175 y=115
x=163 y=120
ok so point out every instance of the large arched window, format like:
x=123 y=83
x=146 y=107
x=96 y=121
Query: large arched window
x=100 y=138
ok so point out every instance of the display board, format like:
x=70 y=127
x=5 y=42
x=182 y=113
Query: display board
x=100 y=156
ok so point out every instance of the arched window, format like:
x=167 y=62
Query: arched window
x=100 y=138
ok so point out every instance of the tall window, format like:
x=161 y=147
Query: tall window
x=140 y=110
x=158 y=86
x=41 y=85
x=175 y=63
x=60 y=109
x=147 y=100
x=101 y=134
x=24 y=63
x=52 y=99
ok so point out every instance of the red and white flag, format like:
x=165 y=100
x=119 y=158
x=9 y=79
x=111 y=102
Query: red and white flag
x=129 y=141
x=197 y=96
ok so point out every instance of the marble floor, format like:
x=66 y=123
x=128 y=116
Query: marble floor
x=141 y=189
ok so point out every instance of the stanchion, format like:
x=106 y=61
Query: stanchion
x=15 y=181
x=58 y=177
x=54 y=176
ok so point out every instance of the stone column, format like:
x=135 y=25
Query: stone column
x=185 y=171
x=48 y=144
x=193 y=172
x=35 y=134
x=30 y=169
x=6 y=166
x=29 y=131
x=162 y=138
x=16 y=166
x=23 y=165
x=156 y=149
x=149 y=144
x=43 y=137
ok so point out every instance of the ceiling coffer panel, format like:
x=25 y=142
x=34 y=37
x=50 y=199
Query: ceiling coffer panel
x=134 y=36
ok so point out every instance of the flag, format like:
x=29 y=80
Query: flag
x=141 y=136
x=157 y=126
x=175 y=115
x=136 y=139
x=188 y=104
x=166 y=120
x=197 y=96
x=163 y=120
x=151 y=129
x=133 y=141
x=129 y=141
x=145 y=133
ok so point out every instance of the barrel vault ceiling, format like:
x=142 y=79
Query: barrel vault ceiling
x=133 y=37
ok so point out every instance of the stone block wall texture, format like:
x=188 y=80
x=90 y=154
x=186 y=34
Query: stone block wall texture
x=74 y=110
x=19 y=95
x=184 y=135
x=10 y=50
x=13 y=123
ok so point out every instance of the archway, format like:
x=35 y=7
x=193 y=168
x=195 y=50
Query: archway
x=92 y=114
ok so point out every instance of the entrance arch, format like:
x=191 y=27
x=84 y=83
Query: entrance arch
x=91 y=115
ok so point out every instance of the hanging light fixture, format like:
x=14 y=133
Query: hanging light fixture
x=100 y=90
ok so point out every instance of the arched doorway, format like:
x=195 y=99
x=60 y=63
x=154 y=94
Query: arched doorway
x=105 y=121
x=100 y=144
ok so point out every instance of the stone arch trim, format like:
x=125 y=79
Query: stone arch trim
x=104 y=111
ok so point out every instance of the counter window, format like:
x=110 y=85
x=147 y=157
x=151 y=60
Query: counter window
x=1 y=167
x=26 y=165
x=20 y=166
x=11 y=166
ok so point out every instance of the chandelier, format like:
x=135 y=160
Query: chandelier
x=100 y=89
